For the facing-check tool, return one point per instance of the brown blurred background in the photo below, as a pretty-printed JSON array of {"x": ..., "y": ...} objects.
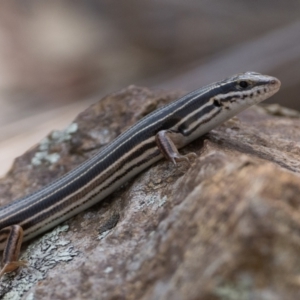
[{"x": 57, "y": 57}]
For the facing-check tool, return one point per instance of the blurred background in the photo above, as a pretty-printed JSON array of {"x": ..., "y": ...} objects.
[{"x": 57, "y": 57}]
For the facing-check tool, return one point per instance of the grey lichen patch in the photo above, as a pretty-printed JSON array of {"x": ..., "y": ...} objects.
[
  {"x": 103, "y": 234},
  {"x": 162, "y": 201},
  {"x": 66, "y": 134},
  {"x": 108, "y": 270},
  {"x": 153, "y": 201},
  {"x": 41, "y": 156},
  {"x": 102, "y": 135},
  {"x": 41, "y": 255},
  {"x": 56, "y": 137},
  {"x": 239, "y": 291},
  {"x": 30, "y": 296}
]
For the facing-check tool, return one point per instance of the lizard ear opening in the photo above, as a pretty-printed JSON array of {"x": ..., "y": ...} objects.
[{"x": 217, "y": 103}]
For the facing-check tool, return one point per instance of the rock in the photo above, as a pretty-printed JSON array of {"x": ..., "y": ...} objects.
[{"x": 226, "y": 227}]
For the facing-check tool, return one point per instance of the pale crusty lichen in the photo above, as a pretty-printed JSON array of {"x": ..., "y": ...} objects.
[
  {"x": 56, "y": 137},
  {"x": 42, "y": 254},
  {"x": 238, "y": 291}
]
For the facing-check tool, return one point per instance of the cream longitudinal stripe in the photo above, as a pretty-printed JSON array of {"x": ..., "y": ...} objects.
[
  {"x": 95, "y": 186},
  {"x": 101, "y": 175},
  {"x": 82, "y": 204}
]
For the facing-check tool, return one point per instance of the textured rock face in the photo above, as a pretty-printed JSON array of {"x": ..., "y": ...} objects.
[{"x": 226, "y": 227}]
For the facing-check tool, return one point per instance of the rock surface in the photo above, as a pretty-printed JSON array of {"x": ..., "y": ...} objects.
[{"x": 226, "y": 227}]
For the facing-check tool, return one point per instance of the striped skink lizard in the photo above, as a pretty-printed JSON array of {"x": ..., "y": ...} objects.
[{"x": 159, "y": 134}]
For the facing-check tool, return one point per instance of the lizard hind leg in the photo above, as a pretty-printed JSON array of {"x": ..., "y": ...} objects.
[{"x": 13, "y": 237}]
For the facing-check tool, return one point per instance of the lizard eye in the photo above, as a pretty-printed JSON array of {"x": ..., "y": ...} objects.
[{"x": 243, "y": 84}]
